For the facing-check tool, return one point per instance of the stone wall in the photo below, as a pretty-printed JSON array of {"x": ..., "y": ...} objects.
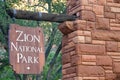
[{"x": 91, "y": 43}]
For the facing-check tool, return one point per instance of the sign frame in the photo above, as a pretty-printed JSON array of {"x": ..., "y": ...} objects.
[{"x": 26, "y": 49}]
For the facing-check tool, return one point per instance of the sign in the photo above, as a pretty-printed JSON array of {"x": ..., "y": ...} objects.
[{"x": 26, "y": 49}]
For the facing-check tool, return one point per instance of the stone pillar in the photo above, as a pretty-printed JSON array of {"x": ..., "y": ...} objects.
[{"x": 91, "y": 43}]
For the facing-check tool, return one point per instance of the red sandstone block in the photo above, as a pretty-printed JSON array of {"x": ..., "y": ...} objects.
[
  {"x": 64, "y": 51},
  {"x": 110, "y": 76},
  {"x": 117, "y": 1},
  {"x": 71, "y": 70},
  {"x": 109, "y": 15},
  {"x": 80, "y": 24},
  {"x": 106, "y": 35},
  {"x": 68, "y": 46},
  {"x": 110, "y": 0},
  {"x": 76, "y": 9},
  {"x": 90, "y": 7},
  {"x": 68, "y": 79},
  {"x": 115, "y": 9},
  {"x": 115, "y": 28},
  {"x": 116, "y": 58},
  {"x": 104, "y": 61},
  {"x": 88, "y": 40},
  {"x": 71, "y": 44},
  {"x": 90, "y": 71},
  {"x": 118, "y": 49},
  {"x": 92, "y": 1},
  {"x": 98, "y": 42},
  {"x": 116, "y": 67},
  {"x": 87, "y": 33},
  {"x": 102, "y": 2},
  {"x": 101, "y": 78},
  {"x": 113, "y": 4},
  {"x": 111, "y": 46},
  {"x": 108, "y": 68},
  {"x": 88, "y": 58},
  {"x": 90, "y": 25},
  {"x": 84, "y": 2},
  {"x": 103, "y": 23},
  {"x": 79, "y": 39},
  {"x": 64, "y": 71},
  {"x": 100, "y": 16},
  {"x": 79, "y": 33},
  {"x": 107, "y": 9},
  {"x": 66, "y": 58},
  {"x": 89, "y": 63},
  {"x": 66, "y": 27},
  {"x": 75, "y": 33},
  {"x": 90, "y": 78},
  {"x": 118, "y": 18},
  {"x": 66, "y": 65},
  {"x": 113, "y": 21},
  {"x": 89, "y": 17},
  {"x": 64, "y": 40},
  {"x": 68, "y": 76},
  {"x": 78, "y": 78},
  {"x": 72, "y": 53},
  {"x": 76, "y": 60},
  {"x": 99, "y": 10},
  {"x": 108, "y": 71},
  {"x": 91, "y": 49},
  {"x": 119, "y": 44},
  {"x": 115, "y": 25}
]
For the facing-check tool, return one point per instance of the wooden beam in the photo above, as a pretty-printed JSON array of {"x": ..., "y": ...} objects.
[{"x": 38, "y": 16}]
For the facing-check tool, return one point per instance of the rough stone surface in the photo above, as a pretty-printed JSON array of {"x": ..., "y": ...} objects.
[
  {"x": 92, "y": 71},
  {"x": 91, "y": 49},
  {"x": 106, "y": 35},
  {"x": 91, "y": 25},
  {"x": 91, "y": 43},
  {"x": 118, "y": 18},
  {"x": 116, "y": 67},
  {"x": 98, "y": 9},
  {"x": 111, "y": 46},
  {"x": 66, "y": 27},
  {"x": 104, "y": 61},
  {"x": 80, "y": 24},
  {"x": 89, "y": 17},
  {"x": 102, "y": 23},
  {"x": 76, "y": 60},
  {"x": 88, "y": 58},
  {"x": 109, "y": 15},
  {"x": 66, "y": 58}
]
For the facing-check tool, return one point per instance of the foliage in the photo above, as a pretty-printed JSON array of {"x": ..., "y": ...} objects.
[
  {"x": 7, "y": 74},
  {"x": 52, "y": 69}
]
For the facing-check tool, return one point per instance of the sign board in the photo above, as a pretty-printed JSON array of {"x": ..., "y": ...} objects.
[{"x": 26, "y": 49}]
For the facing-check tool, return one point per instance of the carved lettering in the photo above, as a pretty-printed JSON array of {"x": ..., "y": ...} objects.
[
  {"x": 25, "y": 48},
  {"x": 23, "y": 37},
  {"x": 27, "y": 59}
]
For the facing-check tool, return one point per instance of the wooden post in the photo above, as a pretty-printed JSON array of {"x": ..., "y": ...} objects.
[{"x": 38, "y": 16}]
